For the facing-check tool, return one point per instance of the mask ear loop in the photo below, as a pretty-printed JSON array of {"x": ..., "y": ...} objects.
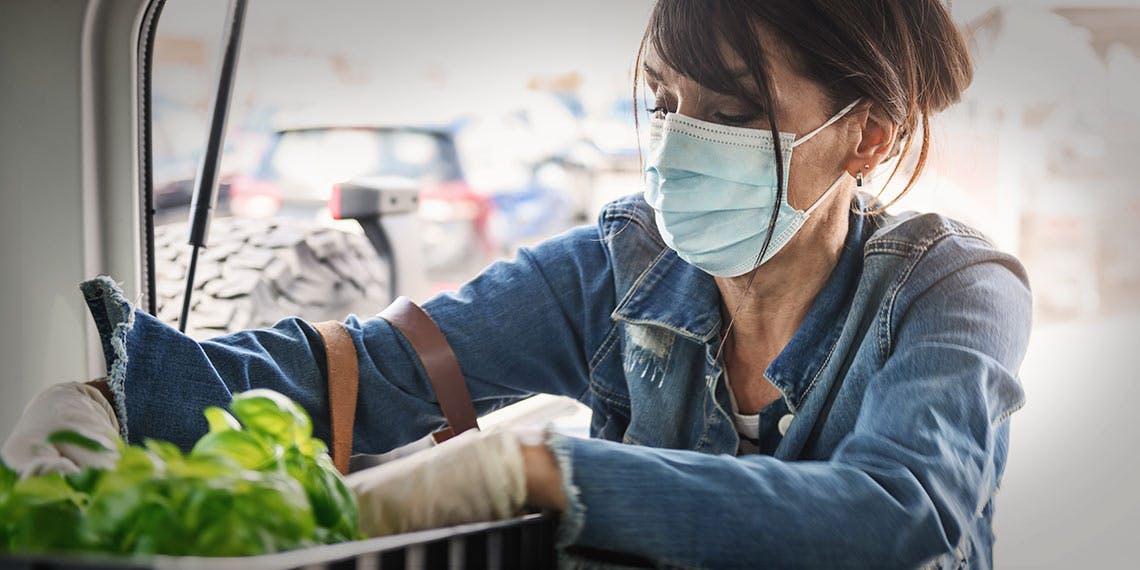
[
  {"x": 829, "y": 122},
  {"x": 835, "y": 184},
  {"x": 827, "y": 193}
]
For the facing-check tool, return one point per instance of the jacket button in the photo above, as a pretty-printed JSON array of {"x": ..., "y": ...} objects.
[{"x": 785, "y": 422}]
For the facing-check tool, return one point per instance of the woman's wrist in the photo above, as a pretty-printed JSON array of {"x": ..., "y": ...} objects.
[
  {"x": 104, "y": 388},
  {"x": 543, "y": 478}
]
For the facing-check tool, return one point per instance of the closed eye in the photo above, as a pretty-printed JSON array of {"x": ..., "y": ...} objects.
[{"x": 737, "y": 119}]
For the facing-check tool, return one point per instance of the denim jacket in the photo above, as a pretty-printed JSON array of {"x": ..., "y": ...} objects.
[{"x": 900, "y": 381}]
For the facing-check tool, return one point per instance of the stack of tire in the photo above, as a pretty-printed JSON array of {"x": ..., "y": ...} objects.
[{"x": 257, "y": 271}]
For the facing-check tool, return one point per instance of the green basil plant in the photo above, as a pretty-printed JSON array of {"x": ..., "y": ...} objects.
[{"x": 258, "y": 482}]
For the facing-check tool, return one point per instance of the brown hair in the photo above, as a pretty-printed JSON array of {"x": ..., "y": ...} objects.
[{"x": 906, "y": 57}]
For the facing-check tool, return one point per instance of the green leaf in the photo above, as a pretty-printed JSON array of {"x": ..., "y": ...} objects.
[
  {"x": 263, "y": 512},
  {"x": 43, "y": 526},
  {"x": 272, "y": 415},
  {"x": 243, "y": 448},
  {"x": 221, "y": 420},
  {"x": 46, "y": 489},
  {"x": 86, "y": 480},
  {"x": 110, "y": 515},
  {"x": 77, "y": 439},
  {"x": 42, "y": 514},
  {"x": 203, "y": 467},
  {"x": 164, "y": 450},
  {"x": 334, "y": 505},
  {"x": 8, "y": 478}
]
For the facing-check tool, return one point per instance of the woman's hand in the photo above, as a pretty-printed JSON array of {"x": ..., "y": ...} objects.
[
  {"x": 75, "y": 407},
  {"x": 473, "y": 477}
]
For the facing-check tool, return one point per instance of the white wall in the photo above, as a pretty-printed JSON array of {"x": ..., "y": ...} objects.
[
  {"x": 68, "y": 190},
  {"x": 41, "y": 230}
]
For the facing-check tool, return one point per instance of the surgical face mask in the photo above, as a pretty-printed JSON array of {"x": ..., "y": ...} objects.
[{"x": 713, "y": 189}]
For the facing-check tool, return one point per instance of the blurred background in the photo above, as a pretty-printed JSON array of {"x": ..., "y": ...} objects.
[{"x": 504, "y": 123}]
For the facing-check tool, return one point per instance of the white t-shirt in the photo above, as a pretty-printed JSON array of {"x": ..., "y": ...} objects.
[{"x": 748, "y": 425}]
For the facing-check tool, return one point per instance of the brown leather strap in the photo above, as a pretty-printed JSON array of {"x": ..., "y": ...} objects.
[
  {"x": 343, "y": 377},
  {"x": 439, "y": 362}
]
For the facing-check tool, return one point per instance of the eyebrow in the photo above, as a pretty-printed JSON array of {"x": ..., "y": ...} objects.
[
  {"x": 739, "y": 73},
  {"x": 652, "y": 73}
]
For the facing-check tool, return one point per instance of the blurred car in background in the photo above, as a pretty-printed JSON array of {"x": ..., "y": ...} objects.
[
  {"x": 301, "y": 166},
  {"x": 296, "y": 174},
  {"x": 477, "y": 201},
  {"x": 532, "y": 160}
]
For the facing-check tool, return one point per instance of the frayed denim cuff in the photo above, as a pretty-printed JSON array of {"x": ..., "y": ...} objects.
[
  {"x": 114, "y": 317},
  {"x": 574, "y": 518}
]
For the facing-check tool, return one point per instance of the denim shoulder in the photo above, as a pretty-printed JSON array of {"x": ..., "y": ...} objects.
[
  {"x": 947, "y": 267},
  {"x": 934, "y": 246}
]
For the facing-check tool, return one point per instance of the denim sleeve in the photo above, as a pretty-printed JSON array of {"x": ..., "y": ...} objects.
[
  {"x": 904, "y": 487},
  {"x": 517, "y": 329},
  {"x": 531, "y": 325}
]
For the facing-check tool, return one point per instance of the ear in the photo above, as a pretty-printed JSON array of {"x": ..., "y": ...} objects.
[{"x": 875, "y": 135}]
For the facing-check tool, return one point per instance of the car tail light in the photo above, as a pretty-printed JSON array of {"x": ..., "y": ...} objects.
[
  {"x": 436, "y": 210},
  {"x": 452, "y": 201},
  {"x": 456, "y": 201},
  {"x": 334, "y": 202},
  {"x": 254, "y": 198}
]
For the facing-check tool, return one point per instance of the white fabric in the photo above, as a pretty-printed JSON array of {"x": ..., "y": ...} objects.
[
  {"x": 472, "y": 477},
  {"x": 747, "y": 425},
  {"x": 70, "y": 406}
]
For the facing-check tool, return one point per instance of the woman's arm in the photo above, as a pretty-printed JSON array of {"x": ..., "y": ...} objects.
[
  {"x": 522, "y": 327},
  {"x": 906, "y": 486}
]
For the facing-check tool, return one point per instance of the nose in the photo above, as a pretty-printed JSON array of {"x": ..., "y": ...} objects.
[
  {"x": 684, "y": 93},
  {"x": 686, "y": 106},
  {"x": 688, "y": 100}
]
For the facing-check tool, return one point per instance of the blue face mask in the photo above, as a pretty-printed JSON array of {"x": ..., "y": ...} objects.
[{"x": 713, "y": 188}]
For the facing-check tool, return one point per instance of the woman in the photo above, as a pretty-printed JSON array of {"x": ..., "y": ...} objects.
[{"x": 780, "y": 372}]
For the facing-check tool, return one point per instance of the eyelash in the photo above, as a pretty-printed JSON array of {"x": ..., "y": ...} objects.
[
  {"x": 736, "y": 119},
  {"x": 721, "y": 117}
]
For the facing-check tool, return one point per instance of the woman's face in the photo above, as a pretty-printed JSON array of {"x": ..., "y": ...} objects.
[{"x": 801, "y": 107}]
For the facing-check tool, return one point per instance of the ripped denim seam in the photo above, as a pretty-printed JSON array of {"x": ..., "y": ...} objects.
[
  {"x": 574, "y": 518},
  {"x": 116, "y": 310}
]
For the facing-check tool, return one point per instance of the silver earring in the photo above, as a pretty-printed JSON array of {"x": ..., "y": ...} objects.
[{"x": 859, "y": 179}]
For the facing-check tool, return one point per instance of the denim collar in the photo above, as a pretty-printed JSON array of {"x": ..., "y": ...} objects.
[
  {"x": 673, "y": 295},
  {"x": 677, "y": 296}
]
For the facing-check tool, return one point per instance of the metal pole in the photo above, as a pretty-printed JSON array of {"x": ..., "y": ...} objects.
[{"x": 205, "y": 184}]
